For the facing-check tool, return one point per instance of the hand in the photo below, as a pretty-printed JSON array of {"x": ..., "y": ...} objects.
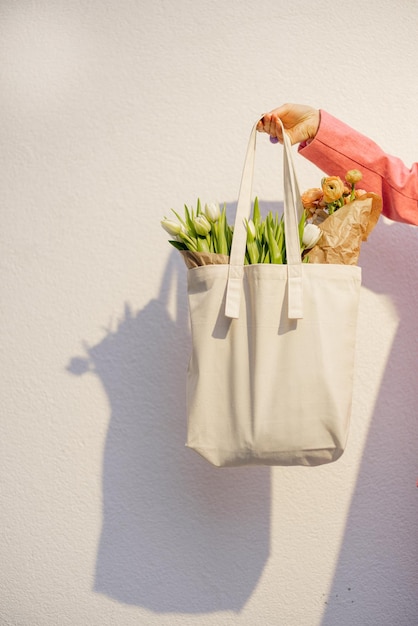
[{"x": 300, "y": 121}]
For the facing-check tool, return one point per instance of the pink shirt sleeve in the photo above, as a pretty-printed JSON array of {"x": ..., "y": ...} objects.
[{"x": 338, "y": 148}]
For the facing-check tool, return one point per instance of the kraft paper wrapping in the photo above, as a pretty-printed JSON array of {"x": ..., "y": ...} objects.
[
  {"x": 344, "y": 230},
  {"x": 195, "y": 259}
]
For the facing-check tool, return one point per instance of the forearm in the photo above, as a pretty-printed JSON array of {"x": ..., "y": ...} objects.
[{"x": 338, "y": 148}]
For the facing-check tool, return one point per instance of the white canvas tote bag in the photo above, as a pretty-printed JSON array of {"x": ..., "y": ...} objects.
[{"x": 271, "y": 371}]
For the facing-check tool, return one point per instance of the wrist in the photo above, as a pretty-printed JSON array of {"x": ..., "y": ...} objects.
[{"x": 313, "y": 126}]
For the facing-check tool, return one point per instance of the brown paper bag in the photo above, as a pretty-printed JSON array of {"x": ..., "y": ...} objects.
[{"x": 344, "y": 230}]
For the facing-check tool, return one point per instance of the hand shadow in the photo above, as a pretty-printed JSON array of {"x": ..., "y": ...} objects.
[
  {"x": 178, "y": 535},
  {"x": 377, "y": 568}
]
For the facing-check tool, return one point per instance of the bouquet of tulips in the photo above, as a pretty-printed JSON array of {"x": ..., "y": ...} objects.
[
  {"x": 335, "y": 219},
  {"x": 205, "y": 231}
]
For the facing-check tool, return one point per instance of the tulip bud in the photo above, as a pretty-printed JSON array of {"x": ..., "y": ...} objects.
[
  {"x": 172, "y": 227},
  {"x": 311, "y": 235},
  {"x": 252, "y": 247},
  {"x": 202, "y": 225},
  {"x": 251, "y": 231},
  {"x": 212, "y": 211}
]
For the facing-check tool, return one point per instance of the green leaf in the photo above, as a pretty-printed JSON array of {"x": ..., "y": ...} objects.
[
  {"x": 224, "y": 237},
  {"x": 256, "y": 213},
  {"x": 275, "y": 253},
  {"x": 252, "y": 251},
  {"x": 189, "y": 220},
  {"x": 202, "y": 244},
  {"x": 190, "y": 242},
  {"x": 302, "y": 227},
  {"x": 280, "y": 240},
  {"x": 180, "y": 219},
  {"x": 178, "y": 244}
]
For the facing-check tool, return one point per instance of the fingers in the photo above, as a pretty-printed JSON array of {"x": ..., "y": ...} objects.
[
  {"x": 264, "y": 124},
  {"x": 270, "y": 124}
]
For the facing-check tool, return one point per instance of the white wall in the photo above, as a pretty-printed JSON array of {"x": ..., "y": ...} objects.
[{"x": 112, "y": 112}]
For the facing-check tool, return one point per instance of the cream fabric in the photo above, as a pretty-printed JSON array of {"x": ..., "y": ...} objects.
[{"x": 271, "y": 371}]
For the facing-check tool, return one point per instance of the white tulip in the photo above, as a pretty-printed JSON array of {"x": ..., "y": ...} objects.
[
  {"x": 173, "y": 228},
  {"x": 212, "y": 211},
  {"x": 251, "y": 230},
  {"x": 202, "y": 225},
  {"x": 311, "y": 235}
]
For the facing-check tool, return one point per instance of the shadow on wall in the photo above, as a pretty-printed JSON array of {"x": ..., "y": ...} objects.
[
  {"x": 178, "y": 535},
  {"x": 375, "y": 581}
]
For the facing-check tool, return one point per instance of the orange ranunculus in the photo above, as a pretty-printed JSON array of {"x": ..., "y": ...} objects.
[
  {"x": 333, "y": 188},
  {"x": 311, "y": 197}
]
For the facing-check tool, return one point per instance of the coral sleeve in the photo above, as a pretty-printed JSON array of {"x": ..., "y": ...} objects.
[{"x": 337, "y": 148}]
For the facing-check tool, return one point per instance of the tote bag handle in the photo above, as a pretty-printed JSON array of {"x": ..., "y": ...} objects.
[{"x": 293, "y": 210}]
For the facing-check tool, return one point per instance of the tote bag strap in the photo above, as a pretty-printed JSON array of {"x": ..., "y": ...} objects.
[{"x": 293, "y": 210}]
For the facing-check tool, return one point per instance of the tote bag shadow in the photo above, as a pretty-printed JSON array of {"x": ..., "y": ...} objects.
[{"x": 270, "y": 375}]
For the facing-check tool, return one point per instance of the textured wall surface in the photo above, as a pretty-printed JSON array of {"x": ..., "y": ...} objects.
[{"x": 112, "y": 112}]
